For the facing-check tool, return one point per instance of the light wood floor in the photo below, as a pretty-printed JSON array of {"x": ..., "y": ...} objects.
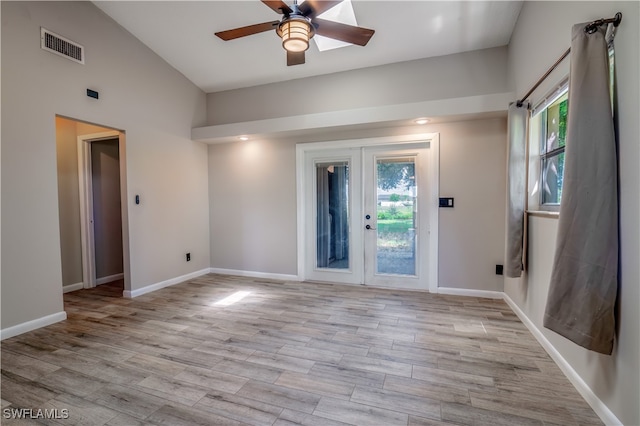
[{"x": 287, "y": 353}]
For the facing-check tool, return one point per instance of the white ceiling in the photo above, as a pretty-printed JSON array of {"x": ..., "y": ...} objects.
[{"x": 182, "y": 32}]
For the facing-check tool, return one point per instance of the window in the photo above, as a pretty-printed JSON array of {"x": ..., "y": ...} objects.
[
  {"x": 554, "y": 134},
  {"x": 548, "y": 133}
]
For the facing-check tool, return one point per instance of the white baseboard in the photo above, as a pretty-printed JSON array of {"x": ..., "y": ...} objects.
[
  {"x": 157, "y": 286},
  {"x": 110, "y": 278},
  {"x": 32, "y": 325},
  {"x": 254, "y": 274},
  {"x": 486, "y": 294},
  {"x": 72, "y": 287},
  {"x": 599, "y": 407}
]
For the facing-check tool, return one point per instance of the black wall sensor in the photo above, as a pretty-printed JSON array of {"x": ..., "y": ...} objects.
[
  {"x": 92, "y": 94},
  {"x": 446, "y": 202}
]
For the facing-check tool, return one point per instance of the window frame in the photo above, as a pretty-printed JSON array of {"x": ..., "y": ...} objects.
[
  {"x": 547, "y": 156},
  {"x": 539, "y": 120},
  {"x": 537, "y": 136}
]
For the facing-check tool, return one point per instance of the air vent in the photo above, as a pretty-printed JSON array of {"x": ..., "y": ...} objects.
[{"x": 59, "y": 45}]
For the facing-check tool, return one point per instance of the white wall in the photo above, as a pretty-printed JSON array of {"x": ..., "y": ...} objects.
[
  {"x": 481, "y": 72},
  {"x": 614, "y": 379},
  {"x": 140, "y": 94},
  {"x": 252, "y": 187}
]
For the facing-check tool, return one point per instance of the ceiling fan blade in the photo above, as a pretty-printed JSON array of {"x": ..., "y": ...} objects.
[
  {"x": 295, "y": 58},
  {"x": 343, "y": 32},
  {"x": 248, "y": 30},
  {"x": 278, "y": 6},
  {"x": 313, "y": 8}
]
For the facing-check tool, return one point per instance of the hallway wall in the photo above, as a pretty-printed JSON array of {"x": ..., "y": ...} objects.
[{"x": 141, "y": 94}]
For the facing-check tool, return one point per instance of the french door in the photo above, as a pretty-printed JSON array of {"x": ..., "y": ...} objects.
[{"x": 366, "y": 215}]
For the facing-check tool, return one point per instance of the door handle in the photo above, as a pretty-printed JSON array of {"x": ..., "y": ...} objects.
[{"x": 370, "y": 228}]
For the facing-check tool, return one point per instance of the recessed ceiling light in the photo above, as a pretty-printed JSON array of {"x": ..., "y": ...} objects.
[
  {"x": 421, "y": 120},
  {"x": 243, "y": 138}
]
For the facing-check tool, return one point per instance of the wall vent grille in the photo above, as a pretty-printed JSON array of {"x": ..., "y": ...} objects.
[{"x": 59, "y": 45}]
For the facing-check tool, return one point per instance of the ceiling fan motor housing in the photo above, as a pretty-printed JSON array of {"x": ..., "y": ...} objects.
[{"x": 295, "y": 30}]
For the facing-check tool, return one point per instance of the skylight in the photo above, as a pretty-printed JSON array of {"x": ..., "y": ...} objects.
[{"x": 342, "y": 13}]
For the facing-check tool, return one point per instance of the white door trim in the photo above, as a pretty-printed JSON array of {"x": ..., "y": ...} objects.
[
  {"x": 419, "y": 152},
  {"x": 434, "y": 184},
  {"x": 86, "y": 206}
]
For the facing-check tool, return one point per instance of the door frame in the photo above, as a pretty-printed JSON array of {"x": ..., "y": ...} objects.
[
  {"x": 85, "y": 187},
  {"x": 419, "y": 153},
  {"x": 433, "y": 172}
]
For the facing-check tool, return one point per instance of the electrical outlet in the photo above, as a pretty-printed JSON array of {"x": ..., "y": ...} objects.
[
  {"x": 499, "y": 269},
  {"x": 188, "y": 257}
]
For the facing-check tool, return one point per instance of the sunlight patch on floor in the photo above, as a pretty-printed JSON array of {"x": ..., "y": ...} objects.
[{"x": 230, "y": 300}]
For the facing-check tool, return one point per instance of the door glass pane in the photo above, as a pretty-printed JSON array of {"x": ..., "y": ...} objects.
[
  {"x": 396, "y": 225},
  {"x": 332, "y": 223}
]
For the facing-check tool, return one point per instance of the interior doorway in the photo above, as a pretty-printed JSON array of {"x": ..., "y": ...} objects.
[
  {"x": 92, "y": 204},
  {"x": 105, "y": 218},
  {"x": 368, "y": 213}
]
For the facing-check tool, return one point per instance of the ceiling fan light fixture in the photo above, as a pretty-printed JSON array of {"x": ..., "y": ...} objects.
[{"x": 295, "y": 34}]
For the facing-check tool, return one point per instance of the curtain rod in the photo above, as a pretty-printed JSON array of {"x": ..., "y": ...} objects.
[{"x": 590, "y": 28}]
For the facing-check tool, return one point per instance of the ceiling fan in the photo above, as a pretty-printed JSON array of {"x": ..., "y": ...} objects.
[{"x": 299, "y": 24}]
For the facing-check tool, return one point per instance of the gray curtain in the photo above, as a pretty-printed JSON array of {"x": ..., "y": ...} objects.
[
  {"x": 516, "y": 189},
  {"x": 584, "y": 280}
]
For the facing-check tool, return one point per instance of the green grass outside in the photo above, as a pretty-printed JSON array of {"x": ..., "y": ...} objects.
[{"x": 394, "y": 225}]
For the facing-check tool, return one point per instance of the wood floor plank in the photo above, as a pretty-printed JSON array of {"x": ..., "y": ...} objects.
[
  {"x": 453, "y": 378},
  {"x": 245, "y": 410},
  {"x": 467, "y": 415},
  {"x": 71, "y": 382},
  {"x": 212, "y": 379},
  {"x": 179, "y": 415},
  {"x": 313, "y": 354},
  {"x": 25, "y": 393},
  {"x": 26, "y": 366},
  {"x": 81, "y": 411},
  {"x": 280, "y": 396},
  {"x": 174, "y": 390},
  {"x": 288, "y": 353},
  {"x": 317, "y": 385},
  {"x": 507, "y": 402},
  {"x": 127, "y": 400},
  {"x": 436, "y": 391},
  {"x": 347, "y": 374},
  {"x": 290, "y": 418},
  {"x": 397, "y": 401},
  {"x": 376, "y": 365},
  {"x": 283, "y": 362},
  {"x": 358, "y": 414}
]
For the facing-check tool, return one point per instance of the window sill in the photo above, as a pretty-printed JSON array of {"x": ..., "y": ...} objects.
[{"x": 543, "y": 213}]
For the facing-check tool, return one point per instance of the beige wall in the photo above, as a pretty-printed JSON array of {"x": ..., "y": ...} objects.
[
  {"x": 467, "y": 74},
  {"x": 471, "y": 235},
  {"x": 140, "y": 94},
  {"x": 614, "y": 379},
  {"x": 68, "y": 201},
  {"x": 252, "y": 187}
]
